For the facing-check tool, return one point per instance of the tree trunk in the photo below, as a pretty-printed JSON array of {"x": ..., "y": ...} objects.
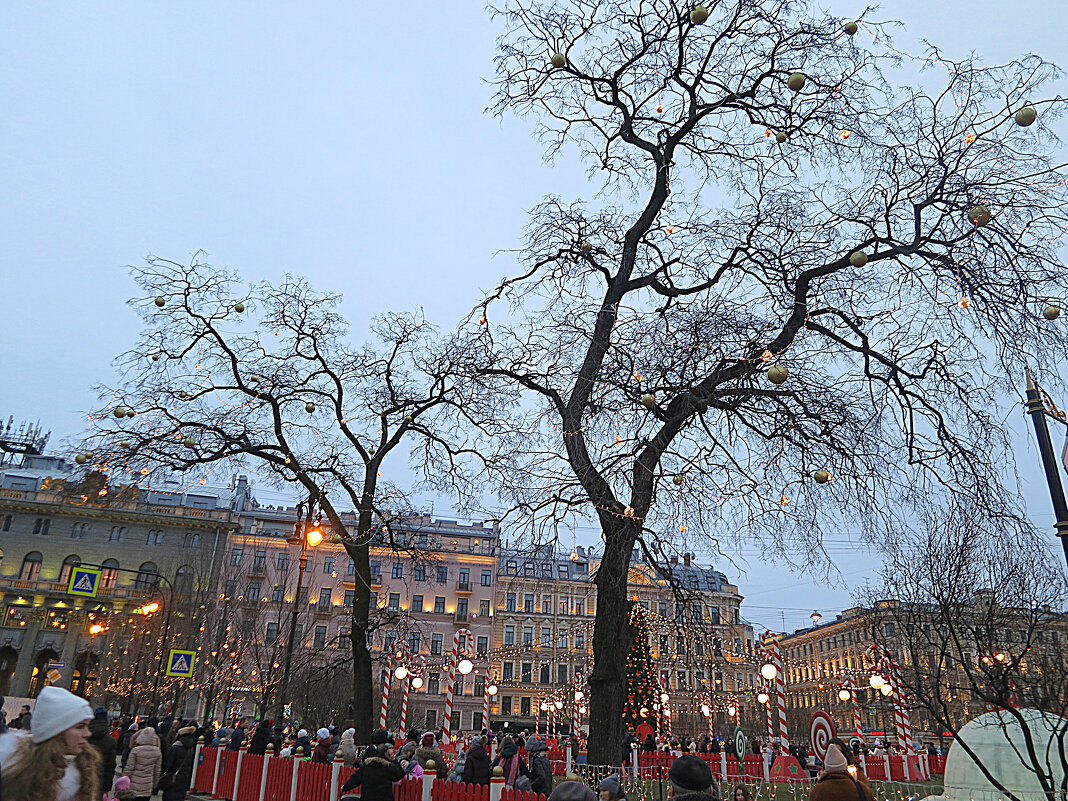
[
  {"x": 363, "y": 705},
  {"x": 612, "y": 636}
]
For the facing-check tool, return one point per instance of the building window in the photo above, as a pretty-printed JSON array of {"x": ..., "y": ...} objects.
[
  {"x": 481, "y": 645},
  {"x": 506, "y": 705},
  {"x": 351, "y": 568},
  {"x": 509, "y": 602},
  {"x": 480, "y": 686},
  {"x": 391, "y": 640},
  {"x": 118, "y": 534},
  {"x": 546, "y": 604},
  {"x": 580, "y": 607},
  {"x": 259, "y": 561},
  {"x": 110, "y": 574},
  {"x": 184, "y": 579},
  {"x": 420, "y": 572},
  {"x": 439, "y": 604},
  {"x": 525, "y": 671},
  {"x": 398, "y": 570},
  {"x": 432, "y": 686},
  {"x": 277, "y": 593},
  {"x": 253, "y": 591},
  {"x": 147, "y": 576},
  {"x": 524, "y": 706},
  {"x": 510, "y": 567},
  {"x": 329, "y": 565},
  {"x": 414, "y": 642},
  {"x": 42, "y": 524},
  {"x": 17, "y": 617},
  {"x": 7, "y": 523},
  {"x": 191, "y": 540},
  {"x": 561, "y": 674},
  {"x": 324, "y": 597},
  {"x": 461, "y": 608},
  {"x": 77, "y": 531},
  {"x": 155, "y": 537},
  {"x": 302, "y": 596},
  {"x": 435, "y": 645},
  {"x": 417, "y": 603},
  {"x": 476, "y": 717},
  {"x": 543, "y": 675},
  {"x": 483, "y": 607},
  {"x": 563, "y": 571},
  {"x": 458, "y": 688},
  {"x": 230, "y": 588},
  {"x": 31, "y": 566},
  {"x": 235, "y": 556},
  {"x": 528, "y": 603},
  {"x": 443, "y": 574},
  {"x": 561, "y": 639},
  {"x": 486, "y": 578},
  {"x": 465, "y": 576},
  {"x": 319, "y": 639},
  {"x": 271, "y": 635},
  {"x": 507, "y": 671},
  {"x": 68, "y": 566},
  {"x": 580, "y": 641},
  {"x": 528, "y": 568},
  {"x": 509, "y": 635},
  {"x": 57, "y": 619},
  {"x": 528, "y": 635},
  {"x": 394, "y": 600},
  {"x": 546, "y": 636}
]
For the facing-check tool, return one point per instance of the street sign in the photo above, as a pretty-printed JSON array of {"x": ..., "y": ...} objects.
[
  {"x": 180, "y": 663},
  {"x": 84, "y": 582}
]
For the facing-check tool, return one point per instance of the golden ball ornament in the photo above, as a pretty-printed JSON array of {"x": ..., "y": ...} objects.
[
  {"x": 160, "y": 302},
  {"x": 858, "y": 258},
  {"x": 124, "y": 444},
  {"x": 586, "y": 247},
  {"x": 255, "y": 379},
  {"x": 155, "y": 357},
  {"x": 979, "y": 215},
  {"x": 1026, "y": 116},
  {"x": 796, "y": 82},
  {"x": 309, "y": 407},
  {"x": 1051, "y": 312},
  {"x": 781, "y": 138},
  {"x": 120, "y": 412},
  {"x": 81, "y": 458},
  {"x": 851, "y": 28},
  {"x": 183, "y": 395},
  {"x": 777, "y": 374},
  {"x": 648, "y": 400},
  {"x": 678, "y": 480},
  {"x": 408, "y": 418},
  {"x": 699, "y": 15},
  {"x": 559, "y": 60},
  {"x": 189, "y": 442},
  {"x": 822, "y": 476},
  {"x": 239, "y": 307}
]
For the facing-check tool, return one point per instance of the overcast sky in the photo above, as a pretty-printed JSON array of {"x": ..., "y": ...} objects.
[{"x": 346, "y": 141}]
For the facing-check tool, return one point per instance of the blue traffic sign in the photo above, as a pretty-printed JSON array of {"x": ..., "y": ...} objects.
[
  {"x": 84, "y": 581},
  {"x": 180, "y": 663}
]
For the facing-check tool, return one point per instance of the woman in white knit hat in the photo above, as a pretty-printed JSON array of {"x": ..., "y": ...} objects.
[{"x": 53, "y": 761}]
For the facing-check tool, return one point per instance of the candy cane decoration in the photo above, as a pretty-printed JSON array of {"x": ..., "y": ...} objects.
[
  {"x": 774, "y": 652},
  {"x": 882, "y": 661},
  {"x": 771, "y": 725},
  {"x": 404, "y": 705},
  {"x": 386, "y": 684},
  {"x": 485, "y": 703},
  {"x": 537, "y": 716},
  {"x": 665, "y": 707},
  {"x": 850, "y": 685},
  {"x": 447, "y": 723}
]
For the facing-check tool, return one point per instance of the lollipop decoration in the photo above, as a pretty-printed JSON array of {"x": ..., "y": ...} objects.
[{"x": 820, "y": 733}]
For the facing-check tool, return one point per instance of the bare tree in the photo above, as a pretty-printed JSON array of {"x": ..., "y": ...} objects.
[
  {"x": 226, "y": 375},
  {"x": 793, "y": 266},
  {"x": 978, "y": 628}
]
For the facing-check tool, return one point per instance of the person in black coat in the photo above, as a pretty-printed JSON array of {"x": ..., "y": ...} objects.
[
  {"x": 100, "y": 738},
  {"x": 477, "y": 766},
  {"x": 377, "y": 771},
  {"x": 236, "y": 739},
  {"x": 260, "y": 738},
  {"x": 179, "y": 761},
  {"x": 511, "y": 763}
]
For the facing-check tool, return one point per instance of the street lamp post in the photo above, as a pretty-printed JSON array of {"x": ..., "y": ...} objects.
[
  {"x": 304, "y": 534},
  {"x": 1037, "y": 409}
]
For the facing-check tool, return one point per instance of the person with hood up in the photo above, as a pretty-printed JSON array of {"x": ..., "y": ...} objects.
[
  {"x": 570, "y": 790},
  {"x": 178, "y": 762},
  {"x": 144, "y": 765},
  {"x": 541, "y": 772},
  {"x": 457, "y": 772},
  {"x": 609, "y": 788},
  {"x": 237, "y": 738},
  {"x": 261, "y": 738},
  {"x": 347, "y": 746},
  {"x": 376, "y": 772},
  {"x": 52, "y": 759},
  {"x": 302, "y": 742},
  {"x": 412, "y": 769},
  {"x": 477, "y": 765},
  {"x": 100, "y": 738},
  {"x": 511, "y": 763},
  {"x": 838, "y": 782},
  {"x": 692, "y": 780},
  {"x": 428, "y": 751},
  {"x": 321, "y": 752}
]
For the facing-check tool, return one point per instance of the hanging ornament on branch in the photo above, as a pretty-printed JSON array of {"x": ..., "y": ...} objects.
[
  {"x": 796, "y": 81},
  {"x": 777, "y": 374},
  {"x": 1026, "y": 116}
]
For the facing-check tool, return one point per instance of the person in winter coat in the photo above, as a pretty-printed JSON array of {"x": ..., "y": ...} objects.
[
  {"x": 144, "y": 764},
  {"x": 302, "y": 742},
  {"x": 477, "y": 766},
  {"x": 52, "y": 760},
  {"x": 457, "y": 772},
  {"x": 347, "y": 746},
  {"x": 609, "y": 788},
  {"x": 412, "y": 770},
  {"x": 23, "y": 720},
  {"x": 236, "y": 739},
  {"x": 511, "y": 763},
  {"x": 321, "y": 752},
  {"x": 541, "y": 772},
  {"x": 376, "y": 772},
  {"x": 428, "y": 751},
  {"x": 179, "y": 761},
  {"x": 261, "y": 738},
  {"x": 100, "y": 738},
  {"x": 572, "y": 791},
  {"x": 692, "y": 780},
  {"x": 836, "y": 782}
]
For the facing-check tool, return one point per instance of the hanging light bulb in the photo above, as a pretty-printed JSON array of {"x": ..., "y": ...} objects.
[
  {"x": 769, "y": 671},
  {"x": 401, "y": 672},
  {"x": 844, "y": 694}
]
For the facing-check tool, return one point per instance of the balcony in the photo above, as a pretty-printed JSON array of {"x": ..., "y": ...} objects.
[
  {"x": 461, "y": 618},
  {"x": 258, "y": 569},
  {"x": 463, "y": 586}
]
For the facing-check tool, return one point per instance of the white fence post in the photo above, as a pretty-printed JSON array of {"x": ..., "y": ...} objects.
[
  {"x": 429, "y": 774},
  {"x": 215, "y": 778},
  {"x": 567, "y": 768},
  {"x": 496, "y": 784},
  {"x": 293, "y": 781},
  {"x": 237, "y": 773},
  {"x": 196, "y": 760},
  {"x": 263, "y": 776},
  {"x": 723, "y": 761}
]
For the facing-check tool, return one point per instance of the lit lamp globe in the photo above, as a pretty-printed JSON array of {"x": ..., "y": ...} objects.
[
  {"x": 886, "y": 689},
  {"x": 314, "y": 536},
  {"x": 876, "y": 681},
  {"x": 401, "y": 672},
  {"x": 769, "y": 672},
  {"x": 578, "y": 695},
  {"x": 544, "y": 706},
  {"x": 762, "y": 698},
  {"x": 559, "y": 704},
  {"x": 732, "y": 711},
  {"x": 844, "y": 695},
  {"x": 492, "y": 689},
  {"x": 417, "y": 682},
  {"x": 465, "y": 667},
  {"x": 704, "y": 710},
  {"x": 664, "y": 698}
]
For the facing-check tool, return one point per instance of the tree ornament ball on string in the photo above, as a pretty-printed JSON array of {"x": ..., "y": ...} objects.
[
  {"x": 124, "y": 444},
  {"x": 558, "y": 60},
  {"x": 408, "y": 418},
  {"x": 699, "y": 15},
  {"x": 586, "y": 247},
  {"x": 1026, "y": 116},
  {"x": 160, "y": 302},
  {"x": 119, "y": 412},
  {"x": 678, "y": 480},
  {"x": 155, "y": 357},
  {"x": 822, "y": 476},
  {"x": 851, "y": 28},
  {"x": 796, "y": 81},
  {"x": 781, "y": 138},
  {"x": 189, "y": 442},
  {"x": 979, "y": 215},
  {"x": 648, "y": 400},
  {"x": 858, "y": 258},
  {"x": 777, "y": 374},
  {"x": 1051, "y": 312},
  {"x": 239, "y": 307},
  {"x": 309, "y": 407},
  {"x": 81, "y": 458}
]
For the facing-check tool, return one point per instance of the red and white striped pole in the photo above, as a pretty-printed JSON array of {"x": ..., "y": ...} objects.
[
  {"x": 447, "y": 723},
  {"x": 852, "y": 687},
  {"x": 485, "y": 703},
  {"x": 771, "y": 724},
  {"x": 404, "y": 705},
  {"x": 576, "y": 713},
  {"x": 537, "y": 715},
  {"x": 386, "y": 683},
  {"x": 901, "y": 714},
  {"x": 780, "y": 689}
]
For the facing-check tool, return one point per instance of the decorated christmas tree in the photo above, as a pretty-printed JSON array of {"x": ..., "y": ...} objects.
[{"x": 642, "y": 691}]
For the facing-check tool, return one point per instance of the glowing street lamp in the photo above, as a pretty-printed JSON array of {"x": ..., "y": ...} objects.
[
  {"x": 492, "y": 689},
  {"x": 401, "y": 672},
  {"x": 769, "y": 671},
  {"x": 465, "y": 666},
  {"x": 732, "y": 711},
  {"x": 844, "y": 694},
  {"x": 877, "y": 682},
  {"x": 762, "y": 698},
  {"x": 417, "y": 682}
]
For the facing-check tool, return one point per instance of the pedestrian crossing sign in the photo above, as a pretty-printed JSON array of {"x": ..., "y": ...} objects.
[
  {"x": 84, "y": 581},
  {"x": 180, "y": 663}
]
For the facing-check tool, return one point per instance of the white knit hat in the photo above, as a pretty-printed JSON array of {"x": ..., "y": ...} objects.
[
  {"x": 56, "y": 711},
  {"x": 323, "y": 734}
]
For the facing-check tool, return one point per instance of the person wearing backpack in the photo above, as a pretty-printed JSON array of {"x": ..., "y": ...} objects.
[{"x": 541, "y": 772}]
